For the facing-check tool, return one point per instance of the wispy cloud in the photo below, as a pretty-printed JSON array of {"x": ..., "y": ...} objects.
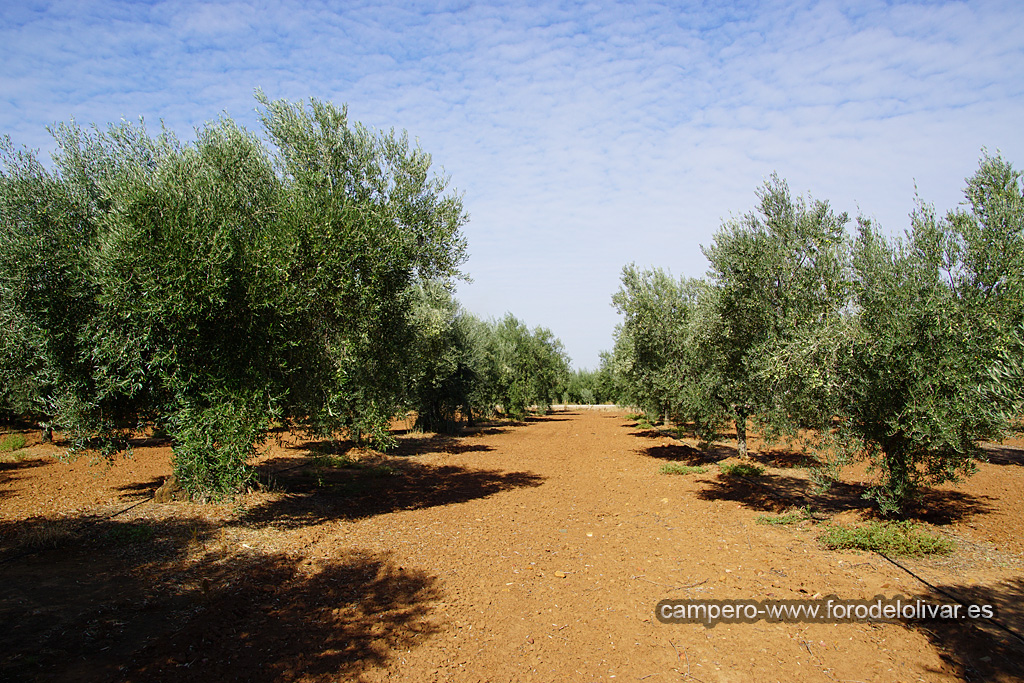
[{"x": 585, "y": 135}]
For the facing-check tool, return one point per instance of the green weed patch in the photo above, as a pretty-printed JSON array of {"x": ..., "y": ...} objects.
[
  {"x": 780, "y": 520},
  {"x": 12, "y": 442},
  {"x": 891, "y": 538},
  {"x": 741, "y": 469},
  {"x": 676, "y": 468}
]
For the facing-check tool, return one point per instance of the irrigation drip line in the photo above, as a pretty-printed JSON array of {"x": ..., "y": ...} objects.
[
  {"x": 115, "y": 514},
  {"x": 87, "y": 521},
  {"x": 288, "y": 469},
  {"x": 949, "y": 595},
  {"x": 749, "y": 480},
  {"x": 938, "y": 590}
]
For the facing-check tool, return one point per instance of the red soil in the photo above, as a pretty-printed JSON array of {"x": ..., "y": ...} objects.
[{"x": 534, "y": 551}]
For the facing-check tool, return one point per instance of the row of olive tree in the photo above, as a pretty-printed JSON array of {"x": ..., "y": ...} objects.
[
  {"x": 216, "y": 287},
  {"x": 904, "y": 352},
  {"x": 589, "y": 387},
  {"x": 470, "y": 367}
]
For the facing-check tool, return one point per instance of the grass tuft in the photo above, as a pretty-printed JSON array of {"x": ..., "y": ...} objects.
[
  {"x": 328, "y": 460},
  {"x": 789, "y": 518},
  {"x": 12, "y": 442},
  {"x": 891, "y": 538},
  {"x": 805, "y": 513},
  {"x": 131, "y": 533},
  {"x": 676, "y": 468},
  {"x": 47, "y": 535},
  {"x": 741, "y": 469}
]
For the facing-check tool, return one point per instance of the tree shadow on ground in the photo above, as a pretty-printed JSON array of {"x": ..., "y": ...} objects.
[
  {"x": 711, "y": 453},
  {"x": 652, "y": 433},
  {"x": 688, "y": 454},
  {"x": 172, "y": 600},
  {"x": 777, "y": 493},
  {"x": 411, "y": 442},
  {"x": 77, "y": 587},
  {"x": 941, "y": 507},
  {"x": 1001, "y": 454},
  {"x": 679, "y": 453},
  {"x": 435, "y": 443},
  {"x": 315, "y": 495},
  {"x": 10, "y": 470},
  {"x": 785, "y": 459},
  {"x": 407, "y": 446},
  {"x": 773, "y": 493},
  {"x": 980, "y": 649},
  {"x": 91, "y": 533},
  {"x": 269, "y": 617},
  {"x": 140, "y": 488},
  {"x": 487, "y": 430}
]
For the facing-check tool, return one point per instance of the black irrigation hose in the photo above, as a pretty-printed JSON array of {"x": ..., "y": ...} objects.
[
  {"x": 93, "y": 520},
  {"x": 952, "y": 597},
  {"x": 885, "y": 557},
  {"x": 115, "y": 514},
  {"x": 997, "y": 624}
]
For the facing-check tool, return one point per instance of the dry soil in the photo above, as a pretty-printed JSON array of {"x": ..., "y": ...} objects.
[{"x": 532, "y": 551}]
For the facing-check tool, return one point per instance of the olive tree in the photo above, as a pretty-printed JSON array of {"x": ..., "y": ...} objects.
[
  {"x": 587, "y": 387},
  {"x": 366, "y": 221},
  {"x": 923, "y": 363},
  {"x": 48, "y": 297},
  {"x": 660, "y": 354},
  {"x": 776, "y": 273},
  {"x": 449, "y": 361},
  {"x": 216, "y": 286},
  {"x": 937, "y": 312},
  {"x": 525, "y": 367},
  {"x": 653, "y": 347}
]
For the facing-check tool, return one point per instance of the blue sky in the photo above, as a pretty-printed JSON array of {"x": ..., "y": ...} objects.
[{"x": 584, "y": 136}]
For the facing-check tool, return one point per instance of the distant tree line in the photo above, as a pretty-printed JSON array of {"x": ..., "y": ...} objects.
[
  {"x": 903, "y": 352},
  {"x": 465, "y": 367},
  {"x": 216, "y": 288},
  {"x": 588, "y": 387}
]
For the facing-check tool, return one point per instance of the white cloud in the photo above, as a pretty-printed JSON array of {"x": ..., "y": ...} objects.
[{"x": 584, "y": 136}]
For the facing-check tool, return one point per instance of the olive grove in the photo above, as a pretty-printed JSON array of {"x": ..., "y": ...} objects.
[
  {"x": 215, "y": 288},
  {"x": 903, "y": 352}
]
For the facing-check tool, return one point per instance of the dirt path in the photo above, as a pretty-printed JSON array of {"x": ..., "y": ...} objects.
[{"x": 525, "y": 552}]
